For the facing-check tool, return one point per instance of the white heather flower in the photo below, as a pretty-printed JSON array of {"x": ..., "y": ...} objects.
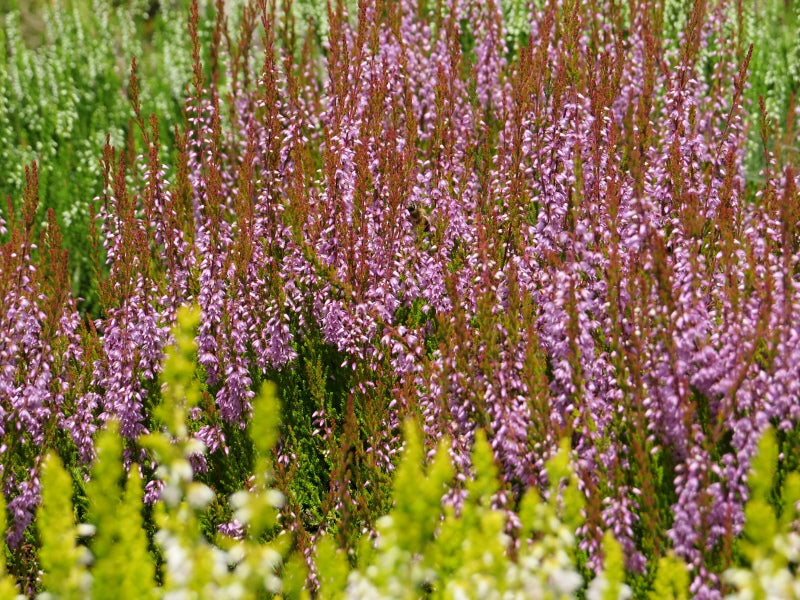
[
  {"x": 179, "y": 565},
  {"x": 181, "y": 469},
  {"x": 274, "y": 498},
  {"x": 171, "y": 495},
  {"x": 565, "y": 581},
  {"x": 236, "y": 553},
  {"x": 361, "y": 588},
  {"x": 598, "y": 587},
  {"x": 240, "y": 499},
  {"x": 199, "y": 495},
  {"x": 273, "y": 583}
]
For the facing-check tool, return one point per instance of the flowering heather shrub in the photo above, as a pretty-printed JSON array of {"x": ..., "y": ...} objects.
[
  {"x": 453, "y": 561},
  {"x": 43, "y": 381},
  {"x": 546, "y": 241},
  {"x": 417, "y": 552}
]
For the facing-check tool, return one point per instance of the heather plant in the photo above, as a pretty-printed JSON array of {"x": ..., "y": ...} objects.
[
  {"x": 553, "y": 239},
  {"x": 59, "y": 110},
  {"x": 774, "y": 76},
  {"x": 584, "y": 261},
  {"x": 417, "y": 546},
  {"x": 116, "y": 562},
  {"x": 47, "y": 401}
]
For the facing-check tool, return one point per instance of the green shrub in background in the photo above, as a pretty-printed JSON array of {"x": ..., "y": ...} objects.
[
  {"x": 422, "y": 548},
  {"x": 64, "y": 70},
  {"x": 773, "y": 27}
]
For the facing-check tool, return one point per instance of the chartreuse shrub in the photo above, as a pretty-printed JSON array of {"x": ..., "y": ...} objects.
[
  {"x": 425, "y": 549},
  {"x": 770, "y": 547}
]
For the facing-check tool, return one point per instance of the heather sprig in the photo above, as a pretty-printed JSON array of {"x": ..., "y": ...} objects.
[{"x": 119, "y": 536}]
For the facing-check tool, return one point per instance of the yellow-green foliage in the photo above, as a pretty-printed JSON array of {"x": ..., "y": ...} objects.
[
  {"x": 64, "y": 574},
  {"x": 425, "y": 549},
  {"x": 771, "y": 544},
  {"x": 8, "y": 588},
  {"x": 672, "y": 580},
  {"x": 120, "y": 537},
  {"x": 609, "y": 584}
]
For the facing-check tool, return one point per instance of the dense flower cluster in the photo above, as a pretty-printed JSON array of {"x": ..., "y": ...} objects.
[
  {"x": 44, "y": 397},
  {"x": 556, "y": 239}
]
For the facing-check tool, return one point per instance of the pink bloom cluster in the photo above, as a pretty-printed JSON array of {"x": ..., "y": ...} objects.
[{"x": 570, "y": 227}]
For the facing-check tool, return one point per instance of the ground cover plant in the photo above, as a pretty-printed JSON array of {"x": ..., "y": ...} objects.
[{"x": 537, "y": 222}]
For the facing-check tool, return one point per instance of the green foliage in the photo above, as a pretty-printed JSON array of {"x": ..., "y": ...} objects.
[
  {"x": 772, "y": 27},
  {"x": 672, "y": 581},
  {"x": 64, "y": 70},
  {"x": 771, "y": 545},
  {"x": 316, "y": 383},
  {"x": 334, "y": 482},
  {"x": 675, "y": 16},
  {"x": 121, "y": 537},
  {"x": 515, "y": 21},
  {"x": 8, "y": 588},
  {"x": 138, "y": 582},
  {"x": 64, "y": 574}
]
